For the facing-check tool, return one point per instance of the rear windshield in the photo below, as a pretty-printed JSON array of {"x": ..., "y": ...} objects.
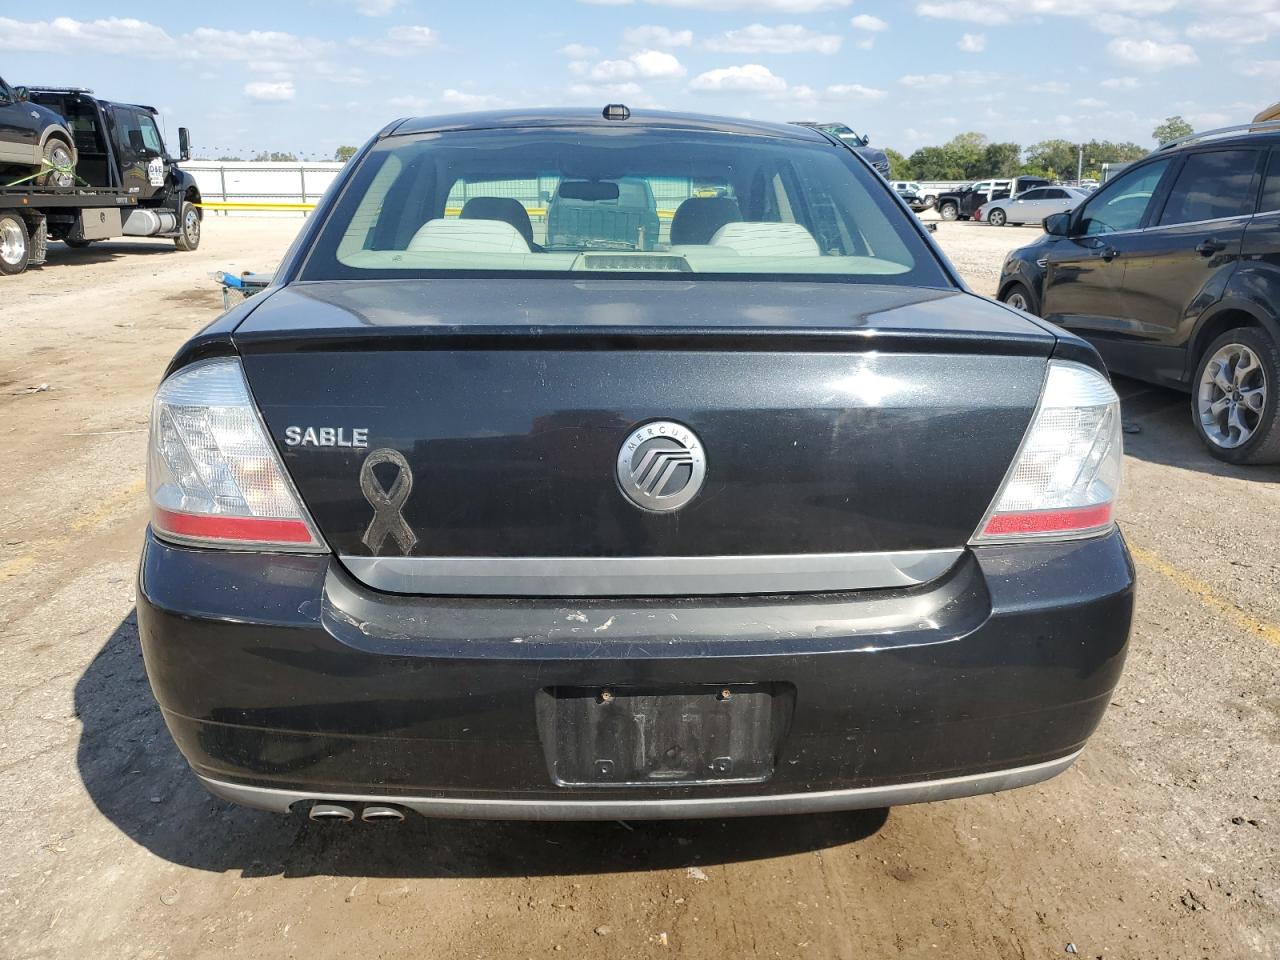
[{"x": 627, "y": 200}]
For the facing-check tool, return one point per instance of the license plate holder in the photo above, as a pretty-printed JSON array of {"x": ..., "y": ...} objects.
[{"x": 605, "y": 736}]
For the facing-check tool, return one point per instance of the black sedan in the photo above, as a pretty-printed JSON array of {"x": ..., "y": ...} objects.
[{"x": 758, "y": 512}]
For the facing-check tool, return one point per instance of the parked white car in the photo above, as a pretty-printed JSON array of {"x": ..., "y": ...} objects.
[{"x": 1031, "y": 206}]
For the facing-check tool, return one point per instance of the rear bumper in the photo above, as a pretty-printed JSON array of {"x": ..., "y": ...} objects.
[
  {"x": 280, "y": 800},
  {"x": 283, "y": 680}
]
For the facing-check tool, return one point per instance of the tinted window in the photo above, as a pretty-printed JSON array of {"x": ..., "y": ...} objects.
[
  {"x": 625, "y": 200},
  {"x": 150, "y": 135},
  {"x": 1033, "y": 195},
  {"x": 1056, "y": 195},
  {"x": 1123, "y": 202},
  {"x": 1271, "y": 186},
  {"x": 1212, "y": 185}
]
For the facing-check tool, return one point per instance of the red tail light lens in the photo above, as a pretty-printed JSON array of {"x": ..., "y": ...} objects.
[
  {"x": 213, "y": 474},
  {"x": 1064, "y": 481}
]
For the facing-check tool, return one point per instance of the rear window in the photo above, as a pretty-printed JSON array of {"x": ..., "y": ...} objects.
[
  {"x": 1212, "y": 186},
  {"x": 625, "y": 200}
]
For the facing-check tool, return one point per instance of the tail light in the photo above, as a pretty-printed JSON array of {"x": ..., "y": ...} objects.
[
  {"x": 1065, "y": 478},
  {"x": 213, "y": 474},
  {"x": 977, "y": 214}
]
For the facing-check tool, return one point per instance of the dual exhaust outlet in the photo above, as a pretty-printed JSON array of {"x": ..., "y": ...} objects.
[{"x": 323, "y": 812}]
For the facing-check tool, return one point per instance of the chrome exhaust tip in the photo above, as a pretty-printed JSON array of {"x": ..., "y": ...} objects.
[
  {"x": 378, "y": 813},
  {"x": 331, "y": 812}
]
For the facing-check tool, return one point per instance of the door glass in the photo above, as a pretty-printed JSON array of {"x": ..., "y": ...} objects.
[
  {"x": 1032, "y": 195},
  {"x": 1212, "y": 185},
  {"x": 150, "y": 135},
  {"x": 1271, "y": 186},
  {"x": 1123, "y": 202},
  {"x": 128, "y": 136}
]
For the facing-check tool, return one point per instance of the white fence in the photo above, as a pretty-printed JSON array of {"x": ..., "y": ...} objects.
[{"x": 262, "y": 182}]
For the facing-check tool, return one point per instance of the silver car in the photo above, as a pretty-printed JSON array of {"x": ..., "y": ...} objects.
[{"x": 1031, "y": 206}]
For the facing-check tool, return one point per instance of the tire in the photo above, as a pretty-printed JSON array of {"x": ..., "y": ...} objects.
[
  {"x": 15, "y": 244},
  {"x": 1239, "y": 366},
  {"x": 58, "y": 153},
  {"x": 1018, "y": 296},
  {"x": 997, "y": 218},
  {"x": 949, "y": 211},
  {"x": 77, "y": 244},
  {"x": 188, "y": 237}
]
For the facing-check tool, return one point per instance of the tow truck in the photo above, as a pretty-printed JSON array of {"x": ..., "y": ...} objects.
[{"x": 127, "y": 184}]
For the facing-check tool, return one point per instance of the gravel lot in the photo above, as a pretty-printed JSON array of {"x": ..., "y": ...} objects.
[{"x": 1161, "y": 842}]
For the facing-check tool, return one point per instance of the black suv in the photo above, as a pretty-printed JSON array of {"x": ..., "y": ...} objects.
[{"x": 1172, "y": 270}]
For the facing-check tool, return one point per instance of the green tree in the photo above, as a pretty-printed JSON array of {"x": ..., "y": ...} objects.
[
  {"x": 345, "y": 153},
  {"x": 1172, "y": 129},
  {"x": 899, "y": 167},
  {"x": 229, "y": 159},
  {"x": 1001, "y": 160},
  {"x": 1052, "y": 158},
  {"x": 275, "y": 155}
]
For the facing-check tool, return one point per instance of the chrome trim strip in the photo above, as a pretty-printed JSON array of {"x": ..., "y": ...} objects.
[
  {"x": 819, "y": 801},
  {"x": 649, "y": 576}
]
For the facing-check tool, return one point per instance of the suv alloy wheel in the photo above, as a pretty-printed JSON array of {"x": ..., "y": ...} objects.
[
  {"x": 949, "y": 211},
  {"x": 1235, "y": 399}
]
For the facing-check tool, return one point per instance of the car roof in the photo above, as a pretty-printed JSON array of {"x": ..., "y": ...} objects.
[{"x": 592, "y": 117}]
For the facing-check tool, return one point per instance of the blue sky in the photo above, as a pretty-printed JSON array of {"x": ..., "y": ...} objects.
[{"x": 307, "y": 75}]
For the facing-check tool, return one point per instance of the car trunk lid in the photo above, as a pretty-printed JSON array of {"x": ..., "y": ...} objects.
[{"x": 435, "y": 427}]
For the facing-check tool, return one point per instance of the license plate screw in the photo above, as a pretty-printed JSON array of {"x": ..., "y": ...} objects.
[
  {"x": 726, "y": 693},
  {"x": 604, "y": 768},
  {"x": 722, "y": 765},
  {"x": 606, "y": 696}
]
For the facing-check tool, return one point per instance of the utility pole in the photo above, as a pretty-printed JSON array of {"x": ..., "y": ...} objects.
[{"x": 1080, "y": 166}]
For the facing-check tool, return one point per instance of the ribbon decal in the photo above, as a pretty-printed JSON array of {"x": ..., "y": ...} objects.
[{"x": 388, "y": 521}]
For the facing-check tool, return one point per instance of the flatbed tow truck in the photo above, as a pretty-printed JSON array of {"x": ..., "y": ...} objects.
[{"x": 127, "y": 184}]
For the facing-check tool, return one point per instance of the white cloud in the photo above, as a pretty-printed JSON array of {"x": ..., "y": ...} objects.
[
  {"x": 1091, "y": 103},
  {"x": 578, "y": 51},
  {"x": 973, "y": 10},
  {"x": 657, "y": 65},
  {"x": 1268, "y": 69},
  {"x": 1151, "y": 55},
  {"x": 868, "y": 23},
  {"x": 973, "y": 43},
  {"x": 925, "y": 80},
  {"x": 410, "y": 103},
  {"x": 1049, "y": 86},
  {"x": 1120, "y": 25},
  {"x": 404, "y": 41},
  {"x": 854, "y": 91},
  {"x": 376, "y": 8},
  {"x": 649, "y": 64},
  {"x": 1234, "y": 29},
  {"x": 1121, "y": 83},
  {"x": 472, "y": 101},
  {"x": 787, "y": 38},
  {"x": 650, "y": 37},
  {"x": 109, "y": 35},
  {"x": 630, "y": 93},
  {"x": 270, "y": 92},
  {"x": 115, "y": 35},
  {"x": 747, "y": 78},
  {"x": 773, "y": 6}
]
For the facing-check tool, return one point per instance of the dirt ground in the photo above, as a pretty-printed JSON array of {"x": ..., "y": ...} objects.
[{"x": 1162, "y": 842}]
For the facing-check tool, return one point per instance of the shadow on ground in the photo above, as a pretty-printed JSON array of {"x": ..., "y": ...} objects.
[
  {"x": 138, "y": 780},
  {"x": 1167, "y": 435}
]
